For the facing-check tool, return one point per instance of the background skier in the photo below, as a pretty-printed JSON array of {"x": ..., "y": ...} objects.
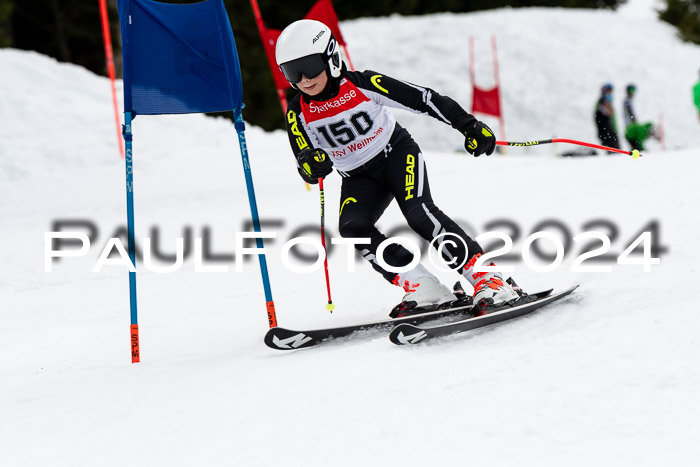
[
  {"x": 635, "y": 133},
  {"x": 605, "y": 118},
  {"x": 696, "y": 97}
]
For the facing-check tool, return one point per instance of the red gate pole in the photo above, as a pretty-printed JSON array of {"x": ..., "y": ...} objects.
[
  {"x": 261, "y": 30},
  {"x": 498, "y": 86},
  {"x": 107, "y": 39}
]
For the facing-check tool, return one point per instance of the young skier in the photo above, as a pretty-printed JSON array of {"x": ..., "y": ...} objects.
[{"x": 339, "y": 119}]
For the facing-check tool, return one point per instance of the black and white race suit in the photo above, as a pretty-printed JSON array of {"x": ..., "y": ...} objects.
[{"x": 379, "y": 160}]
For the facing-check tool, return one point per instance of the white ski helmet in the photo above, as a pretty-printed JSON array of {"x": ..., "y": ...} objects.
[{"x": 307, "y": 47}]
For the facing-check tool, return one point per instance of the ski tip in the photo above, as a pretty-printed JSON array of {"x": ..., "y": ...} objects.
[
  {"x": 286, "y": 339},
  {"x": 406, "y": 334}
]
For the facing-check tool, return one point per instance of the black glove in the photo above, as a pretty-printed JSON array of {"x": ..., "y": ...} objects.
[
  {"x": 314, "y": 164},
  {"x": 479, "y": 140}
]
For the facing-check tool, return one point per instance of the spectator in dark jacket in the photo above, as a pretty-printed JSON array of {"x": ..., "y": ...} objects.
[{"x": 605, "y": 118}]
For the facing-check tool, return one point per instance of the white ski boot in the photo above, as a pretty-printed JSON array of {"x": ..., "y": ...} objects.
[
  {"x": 492, "y": 291},
  {"x": 424, "y": 292}
]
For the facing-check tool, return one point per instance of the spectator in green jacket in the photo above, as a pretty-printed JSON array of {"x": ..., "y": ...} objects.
[
  {"x": 696, "y": 96},
  {"x": 635, "y": 132}
]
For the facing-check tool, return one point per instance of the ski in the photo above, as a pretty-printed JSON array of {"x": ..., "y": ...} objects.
[
  {"x": 280, "y": 338},
  {"x": 407, "y": 333}
]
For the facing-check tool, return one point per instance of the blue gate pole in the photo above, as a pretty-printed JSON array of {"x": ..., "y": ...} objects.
[
  {"x": 240, "y": 129},
  {"x": 128, "y": 160}
]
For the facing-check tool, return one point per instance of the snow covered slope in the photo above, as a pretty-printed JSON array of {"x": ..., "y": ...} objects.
[{"x": 609, "y": 377}]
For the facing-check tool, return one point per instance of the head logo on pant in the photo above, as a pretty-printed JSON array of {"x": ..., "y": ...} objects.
[
  {"x": 410, "y": 178},
  {"x": 348, "y": 200}
]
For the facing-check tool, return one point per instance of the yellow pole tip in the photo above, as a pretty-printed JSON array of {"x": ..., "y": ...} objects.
[
  {"x": 635, "y": 154},
  {"x": 330, "y": 307}
]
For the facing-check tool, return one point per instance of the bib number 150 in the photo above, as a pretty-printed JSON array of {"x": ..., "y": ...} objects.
[{"x": 346, "y": 131}]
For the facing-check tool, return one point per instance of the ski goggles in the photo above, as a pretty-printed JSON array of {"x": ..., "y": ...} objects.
[{"x": 310, "y": 66}]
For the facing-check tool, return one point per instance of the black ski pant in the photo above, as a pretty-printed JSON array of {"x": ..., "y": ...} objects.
[
  {"x": 398, "y": 173},
  {"x": 606, "y": 132}
]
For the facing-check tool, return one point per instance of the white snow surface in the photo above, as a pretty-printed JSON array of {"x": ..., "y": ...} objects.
[{"x": 610, "y": 377}]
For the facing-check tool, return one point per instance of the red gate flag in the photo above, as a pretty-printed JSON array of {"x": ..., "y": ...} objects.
[
  {"x": 486, "y": 101},
  {"x": 324, "y": 12},
  {"x": 109, "y": 57},
  {"x": 269, "y": 37}
]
